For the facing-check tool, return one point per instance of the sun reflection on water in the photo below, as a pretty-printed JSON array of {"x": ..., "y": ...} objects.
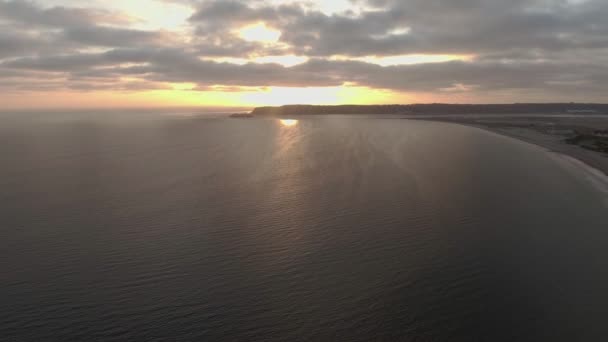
[{"x": 289, "y": 122}]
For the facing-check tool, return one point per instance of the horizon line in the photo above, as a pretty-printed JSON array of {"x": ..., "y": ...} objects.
[{"x": 237, "y": 108}]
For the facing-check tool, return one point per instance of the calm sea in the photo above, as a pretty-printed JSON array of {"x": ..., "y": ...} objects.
[{"x": 178, "y": 228}]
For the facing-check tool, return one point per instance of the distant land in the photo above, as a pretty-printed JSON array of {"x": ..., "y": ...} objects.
[{"x": 436, "y": 108}]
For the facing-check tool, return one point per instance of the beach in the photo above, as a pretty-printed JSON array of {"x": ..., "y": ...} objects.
[{"x": 549, "y": 131}]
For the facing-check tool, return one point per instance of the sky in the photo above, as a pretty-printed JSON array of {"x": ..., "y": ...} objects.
[{"x": 171, "y": 53}]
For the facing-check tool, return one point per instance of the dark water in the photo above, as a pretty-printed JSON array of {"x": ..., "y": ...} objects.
[{"x": 335, "y": 229}]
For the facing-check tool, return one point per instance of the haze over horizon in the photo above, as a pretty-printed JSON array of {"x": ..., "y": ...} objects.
[{"x": 226, "y": 53}]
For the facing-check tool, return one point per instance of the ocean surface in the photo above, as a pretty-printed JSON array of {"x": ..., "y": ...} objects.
[{"x": 205, "y": 228}]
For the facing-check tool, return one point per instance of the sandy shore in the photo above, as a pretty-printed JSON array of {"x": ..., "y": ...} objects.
[{"x": 546, "y": 131}]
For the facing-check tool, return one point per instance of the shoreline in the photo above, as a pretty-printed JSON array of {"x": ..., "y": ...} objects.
[{"x": 551, "y": 143}]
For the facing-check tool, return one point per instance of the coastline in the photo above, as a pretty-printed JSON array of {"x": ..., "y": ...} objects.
[
  {"x": 596, "y": 161},
  {"x": 546, "y": 126}
]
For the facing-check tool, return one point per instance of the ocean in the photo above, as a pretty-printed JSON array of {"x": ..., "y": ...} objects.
[{"x": 207, "y": 228}]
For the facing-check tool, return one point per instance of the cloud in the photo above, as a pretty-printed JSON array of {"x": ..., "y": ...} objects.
[
  {"x": 550, "y": 47},
  {"x": 176, "y": 66},
  {"x": 26, "y": 12},
  {"x": 113, "y": 37},
  {"x": 78, "y": 27}
]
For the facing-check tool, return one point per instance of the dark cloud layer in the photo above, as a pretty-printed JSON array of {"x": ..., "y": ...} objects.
[{"x": 553, "y": 48}]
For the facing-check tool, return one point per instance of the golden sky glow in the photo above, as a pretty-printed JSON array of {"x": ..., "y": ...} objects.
[
  {"x": 259, "y": 33},
  {"x": 405, "y": 59},
  {"x": 284, "y": 60},
  {"x": 277, "y": 96}
]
